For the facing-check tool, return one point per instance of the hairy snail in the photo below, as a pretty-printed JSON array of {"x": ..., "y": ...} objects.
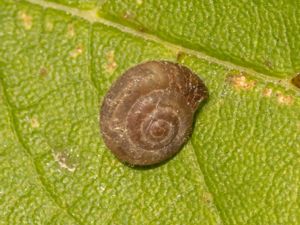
[{"x": 147, "y": 115}]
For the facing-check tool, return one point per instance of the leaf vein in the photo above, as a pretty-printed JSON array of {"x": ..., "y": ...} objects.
[
  {"x": 93, "y": 17},
  {"x": 29, "y": 154},
  {"x": 218, "y": 210}
]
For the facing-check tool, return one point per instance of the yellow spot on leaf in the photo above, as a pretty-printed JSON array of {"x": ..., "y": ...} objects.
[
  {"x": 284, "y": 99},
  {"x": 63, "y": 161},
  {"x": 241, "y": 82},
  {"x": 70, "y": 30},
  {"x": 127, "y": 15},
  {"x": 110, "y": 65},
  {"x": 267, "y": 92},
  {"x": 139, "y": 2},
  {"x": 26, "y": 19},
  {"x": 76, "y": 52},
  {"x": 34, "y": 122}
]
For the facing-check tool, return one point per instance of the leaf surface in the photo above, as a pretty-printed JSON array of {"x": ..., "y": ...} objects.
[{"x": 57, "y": 61}]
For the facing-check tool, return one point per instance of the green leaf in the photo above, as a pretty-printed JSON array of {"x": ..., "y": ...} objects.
[{"x": 57, "y": 61}]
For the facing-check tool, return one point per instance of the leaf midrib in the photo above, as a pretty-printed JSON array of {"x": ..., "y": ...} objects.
[{"x": 93, "y": 17}]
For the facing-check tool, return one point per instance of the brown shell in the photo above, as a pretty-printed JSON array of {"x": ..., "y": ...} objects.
[{"x": 147, "y": 114}]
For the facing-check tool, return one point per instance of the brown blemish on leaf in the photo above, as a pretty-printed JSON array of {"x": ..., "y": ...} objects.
[
  {"x": 63, "y": 161},
  {"x": 26, "y": 19},
  {"x": 207, "y": 198},
  {"x": 70, "y": 30},
  {"x": 180, "y": 55},
  {"x": 280, "y": 81},
  {"x": 241, "y": 82},
  {"x": 77, "y": 51},
  {"x": 284, "y": 99},
  {"x": 43, "y": 72},
  {"x": 142, "y": 29},
  {"x": 296, "y": 80},
  {"x": 267, "y": 92},
  {"x": 268, "y": 64},
  {"x": 110, "y": 65}
]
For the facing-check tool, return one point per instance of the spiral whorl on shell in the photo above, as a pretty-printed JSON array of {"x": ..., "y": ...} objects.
[{"x": 147, "y": 114}]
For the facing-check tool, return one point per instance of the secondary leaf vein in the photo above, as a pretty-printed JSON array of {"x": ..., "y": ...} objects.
[
  {"x": 218, "y": 211},
  {"x": 29, "y": 154}
]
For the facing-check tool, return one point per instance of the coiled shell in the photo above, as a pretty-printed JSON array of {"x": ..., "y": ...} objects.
[{"x": 147, "y": 114}]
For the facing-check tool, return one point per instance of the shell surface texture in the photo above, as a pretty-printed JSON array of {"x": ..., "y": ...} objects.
[{"x": 147, "y": 114}]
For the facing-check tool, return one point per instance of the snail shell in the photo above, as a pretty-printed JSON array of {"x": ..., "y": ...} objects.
[{"x": 147, "y": 114}]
